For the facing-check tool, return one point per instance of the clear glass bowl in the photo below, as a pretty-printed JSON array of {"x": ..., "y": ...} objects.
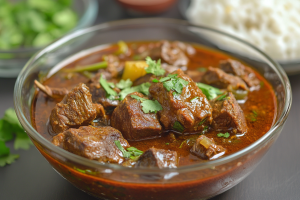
[
  {"x": 12, "y": 61},
  {"x": 110, "y": 181}
]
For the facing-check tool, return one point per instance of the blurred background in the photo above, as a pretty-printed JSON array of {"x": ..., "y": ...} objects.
[{"x": 29, "y": 25}]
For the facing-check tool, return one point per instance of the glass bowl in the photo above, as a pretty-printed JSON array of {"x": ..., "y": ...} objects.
[
  {"x": 110, "y": 181},
  {"x": 12, "y": 61}
]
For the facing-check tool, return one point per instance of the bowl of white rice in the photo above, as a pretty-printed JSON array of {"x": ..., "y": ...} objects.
[{"x": 272, "y": 25}]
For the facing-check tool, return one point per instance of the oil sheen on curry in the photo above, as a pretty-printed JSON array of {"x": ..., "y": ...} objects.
[{"x": 156, "y": 104}]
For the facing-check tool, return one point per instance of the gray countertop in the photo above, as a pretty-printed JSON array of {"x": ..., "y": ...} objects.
[{"x": 277, "y": 177}]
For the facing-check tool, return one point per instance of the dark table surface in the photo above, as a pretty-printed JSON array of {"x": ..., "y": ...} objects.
[{"x": 277, "y": 177}]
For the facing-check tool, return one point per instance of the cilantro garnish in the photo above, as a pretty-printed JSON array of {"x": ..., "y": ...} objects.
[
  {"x": 172, "y": 82},
  {"x": 155, "y": 80},
  {"x": 154, "y": 67},
  {"x": 253, "y": 116},
  {"x": 167, "y": 143},
  {"x": 148, "y": 105},
  {"x": 143, "y": 88},
  {"x": 222, "y": 97},
  {"x": 225, "y": 135},
  {"x": 131, "y": 152},
  {"x": 178, "y": 126},
  {"x": 106, "y": 86},
  {"x": 10, "y": 127},
  {"x": 205, "y": 129},
  {"x": 124, "y": 84},
  {"x": 209, "y": 91},
  {"x": 202, "y": 122}
]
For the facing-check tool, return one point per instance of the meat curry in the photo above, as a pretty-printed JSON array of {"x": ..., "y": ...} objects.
[{"x": 158, "y": 104}]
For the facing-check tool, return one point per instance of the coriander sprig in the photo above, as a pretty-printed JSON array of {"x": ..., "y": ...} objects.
[
  {"x": 148, "y": 105},
  {"x": 154, "y": 67}
]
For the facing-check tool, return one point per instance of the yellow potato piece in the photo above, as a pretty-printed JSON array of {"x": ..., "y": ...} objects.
[{"x": 134, "y": 70}]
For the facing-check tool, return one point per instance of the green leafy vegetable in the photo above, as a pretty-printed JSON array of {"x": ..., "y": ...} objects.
[
  {"x": 225, "y": 135},
  {"x": 222, "y": 97},
  {"x": 124, "y": 84},
  {"x": 148, "y": 105},
  {"x": 172, "y": 82},
  {"x": 106, "y": 86},
  {"x": 209, "y": 91},
  {"x": 132, "y": 152},
  {"x": 143, "y": 88},
  {"x": 178, "y": 126},
  {"x": 155, "y": 80},
  {"x": 92, "y": 67},
  {"x": 10, "y": 125},
  {"x": 154, "y": 67}
]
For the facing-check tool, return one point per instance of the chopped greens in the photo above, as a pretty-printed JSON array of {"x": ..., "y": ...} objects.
[
  {"x": 154, "y": 67},
  {"x": 225, "y": 135},
  {"x": 124, "y": 84},
  {"x": 148, "y": 105},
  {"x": 106, "y": 86},
  {"x": 143, "y": 88},
  {"x": 92, "y": 67},
  {"x": 172, "y": 82},
  {"x": 132, "y": 152},
  {"x": 209, "y": 91},
  {"x": 178, "y": 126},
  {"x": 155, "y": 80},
  {"x": 222, "y": 97},
  {"x": 10, "y": 126},
  {"x": 253, "y": 116},
  {"x": 202, "y": 122}
]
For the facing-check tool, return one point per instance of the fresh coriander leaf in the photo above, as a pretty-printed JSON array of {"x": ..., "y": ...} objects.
[
  {"x": 194, "y": 99},
  {"x": 143, "y": 88},
  {"x": 173, "y": 75},
  {"x": 164, "y": 79},
  {"x": 167, "y": 143},
  {"x": 220, "y": 98},
  {"x": 209, "y": 91},
  {"x": 137, "y": 98},
  {"x": 22, "y": 141},
  {"x": 172, "y": 82},
  {"x": 4, "y": 150},
  {"x": 124, "y": 84},
  {"x": 202, "y": 69},
  {"x": 125, "y": 153},
  {"x": 6, "y": 133},
  {"x": 202, "y": 122},
  {"x": 180, "y": 84},
  {"x": 178, "y": 127},
  {"x": 8, "y": 159},
  {"x": 11, "y": 117},
  {"x": 111, "y": 85},
  {"x": 154, "y": 67},
  {"x": 155, "y": 80},
  {"x": 225, "y": 135},
  {"x": 168, "y": 85},
  {"x": 105, "y": 85},
  {"x": 151, "y": 106}
]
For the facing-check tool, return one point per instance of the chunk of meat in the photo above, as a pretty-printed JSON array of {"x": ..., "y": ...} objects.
[
  {"x": 144, "y": 79},
  {"x": 134, "y": 124},
  {"x": 220, "y": 79},
  {"x": 114, "y": 68},
  {"x": 171, "y": 68},
  {"x": 98, "y": 92},
  {"x": 74, "y": 110},
  {"x": 189, "y": 108},
  {"x": 160, "y": 158},
  {"x": 238, "y": 69},
  {"x": 195, "y": 75},
  {"x": 94, "y": 143},
  {"x": 206, "y": 148},
  {"x": 228, "y": 115}
]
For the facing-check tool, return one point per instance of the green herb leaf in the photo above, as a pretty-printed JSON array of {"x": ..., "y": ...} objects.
[
  {"x": 22, "y": 141},
  {"x": 6, "y": 133},
  {"x": 125, "y": 153},
  {"x": 4, "y": 150},
  {"x": 8, "y": 159},
  {"x": 106, "y": 86},
  {"x": 172, "y": 82},
  {"x": 155, "y": 80},
  {"x": 178, "y": 126},
  {"x": 167, "y": 143},
  {"x": 154, "y": 67},
  {"x": 222, "y": 97},
  {"x": 124, "y": 84},
  {"x": 209, "y": 91},
  {"x": 225, "y": 135},
  {"x": 148, "y": 105},
  {"x": 143, "y": 88},
  {"x": 202, "y": 122}
]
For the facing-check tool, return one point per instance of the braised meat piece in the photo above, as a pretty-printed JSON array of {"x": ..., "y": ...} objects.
[
  {"x": 206, "y": 148},
  {"x": 220, "y": 79},
  {"x": 114, "y": 66},
  {"x": 74, "y": 110},
  {"x": 134, "y": 124},
  {"x": 95, "y": 143},
  {"x": 160, "y": 158},
  {"x": 188, "y": 108},
  {"x": 228, "y": 115},
  {"x": 238, "y": 69},
  {"x": 99, "y": 94},
  {"x": 195, "y": 75}
]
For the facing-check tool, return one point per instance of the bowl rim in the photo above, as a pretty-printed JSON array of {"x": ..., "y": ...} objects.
[
  {"x": 88, "y": 17},
  {"x": 95, "y": 164}
]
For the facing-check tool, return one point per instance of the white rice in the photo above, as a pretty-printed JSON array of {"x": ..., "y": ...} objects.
[{"x": 271, "y": 25}]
